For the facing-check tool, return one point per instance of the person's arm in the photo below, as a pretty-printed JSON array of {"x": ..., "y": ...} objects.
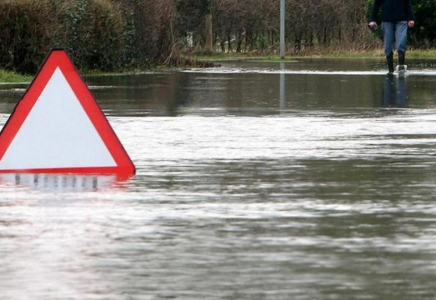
[
  {"x": 375, "y": 9},
  {"x": 410, "y": 15}
]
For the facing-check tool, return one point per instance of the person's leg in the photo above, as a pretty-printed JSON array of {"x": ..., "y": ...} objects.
[
  {"x": 388, "y": 32},
  {"x": 388, "y": 40},
  {"x": 390, "y": 62},
  {"x": 401, "y": 41}
]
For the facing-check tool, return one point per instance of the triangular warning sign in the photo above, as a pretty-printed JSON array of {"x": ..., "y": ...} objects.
[{"x": 58, "y": 127}]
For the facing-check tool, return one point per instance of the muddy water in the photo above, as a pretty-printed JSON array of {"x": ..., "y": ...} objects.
[{"x": 312, "y": 179}]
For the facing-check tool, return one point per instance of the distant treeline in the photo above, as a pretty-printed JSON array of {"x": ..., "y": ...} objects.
[{"x": 118, "y": 34}]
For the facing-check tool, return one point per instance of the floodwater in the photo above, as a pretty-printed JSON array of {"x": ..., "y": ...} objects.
[{"x": 305, "y": 180}]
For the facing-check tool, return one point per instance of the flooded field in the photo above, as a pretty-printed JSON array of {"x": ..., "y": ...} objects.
[{"x": 304, "y": 180}]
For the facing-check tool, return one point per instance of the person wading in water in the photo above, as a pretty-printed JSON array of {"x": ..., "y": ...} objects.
[{"x": 397, "y": 17}]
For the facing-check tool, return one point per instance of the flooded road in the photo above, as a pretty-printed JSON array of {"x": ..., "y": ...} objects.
[{"x": 304, "y": 180}]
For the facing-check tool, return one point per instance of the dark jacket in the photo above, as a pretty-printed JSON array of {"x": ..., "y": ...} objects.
[{"x": 393, "y": 10}]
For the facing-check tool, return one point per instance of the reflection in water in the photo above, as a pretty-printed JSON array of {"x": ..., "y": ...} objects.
[
  {"x": 282, "y": 87},
  {"x": 308, "y": 84},
  {"x": 62, "y": 182},
  {"x": 394, "y": 91}
]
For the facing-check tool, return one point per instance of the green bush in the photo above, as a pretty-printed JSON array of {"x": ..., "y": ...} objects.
[
  {"x": 98, "y": 34},
  {"x": 25, "y": 34},
  {"x": 424, "y": 33},
  {"x": 92, "y": 32}
]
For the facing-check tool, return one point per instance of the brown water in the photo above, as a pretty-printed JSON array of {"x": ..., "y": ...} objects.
[{"x": 313, "y": 179}]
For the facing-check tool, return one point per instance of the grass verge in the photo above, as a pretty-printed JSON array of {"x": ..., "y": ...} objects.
[
  {"x": 412, "y": 53},
  {"x": 13, "y": 77}
]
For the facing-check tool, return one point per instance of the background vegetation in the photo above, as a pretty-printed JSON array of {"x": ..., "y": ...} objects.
[{"x": 118, "y": 34}]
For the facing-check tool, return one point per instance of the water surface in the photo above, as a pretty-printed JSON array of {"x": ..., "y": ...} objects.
[{"x": 312, "y": 179}]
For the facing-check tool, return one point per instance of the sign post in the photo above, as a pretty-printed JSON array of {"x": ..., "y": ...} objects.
[{"x": 282, "y": 29}]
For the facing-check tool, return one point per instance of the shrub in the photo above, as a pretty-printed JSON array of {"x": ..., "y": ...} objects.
[
  {"x": 25, "y": 34},
  {"x": 92, "y": 31}
]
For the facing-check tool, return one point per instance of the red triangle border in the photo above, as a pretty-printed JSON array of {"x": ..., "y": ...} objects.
[{"x": 58, "y": 58}]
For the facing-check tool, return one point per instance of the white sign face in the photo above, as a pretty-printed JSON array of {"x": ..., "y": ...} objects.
[{"x": 57, "y": 133}]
